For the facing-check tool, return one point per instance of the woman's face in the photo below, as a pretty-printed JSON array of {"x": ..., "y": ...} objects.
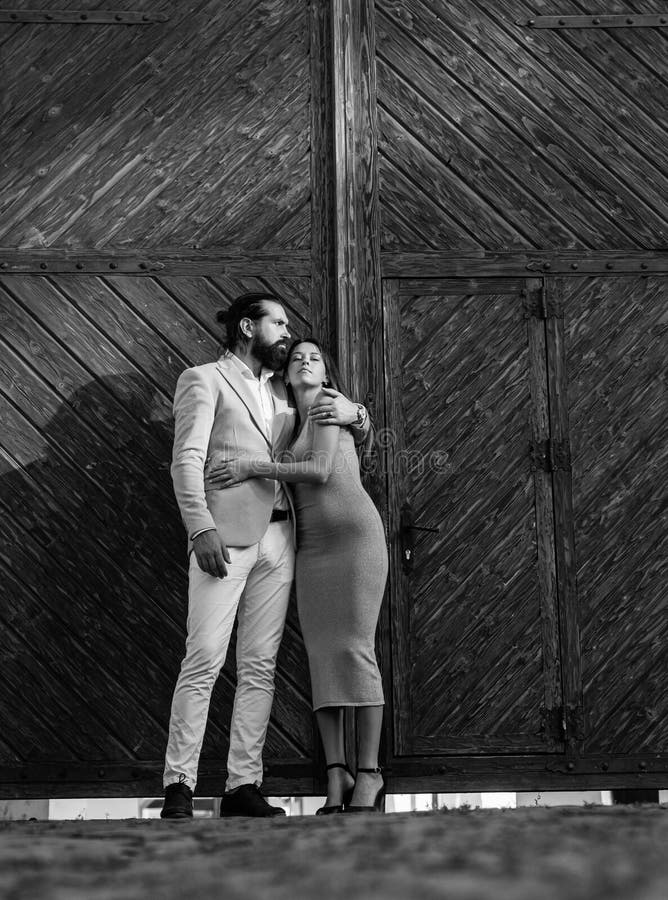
[{"x": 306, "y": 366}]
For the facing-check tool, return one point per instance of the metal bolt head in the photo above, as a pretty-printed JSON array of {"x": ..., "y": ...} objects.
[
  {"x": 574, "y": 266},
  {"x": 609, "y": 266},
  {"x": 643, "y": 265},
  {"x": 596, "y": 21},
  {"x": 571, "y": 766},
  {"x": 4, "y": 265},
  {"x": 43, "y": 266},
  {"x": 642, "y": 766},
  {"x": 113, "y": 265},
  {"x": 80, "y": 265}
]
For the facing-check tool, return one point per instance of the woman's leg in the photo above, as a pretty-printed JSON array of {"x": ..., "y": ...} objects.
[
  {"x": 369, "y": 727},
  {"x": 330, "y": 723}
]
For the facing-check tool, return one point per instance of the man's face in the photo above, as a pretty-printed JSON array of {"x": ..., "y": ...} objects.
[{"x": 269, "y": 344}]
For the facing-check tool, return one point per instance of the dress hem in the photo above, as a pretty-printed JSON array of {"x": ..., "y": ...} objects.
[{"x": 351, "y": 703}]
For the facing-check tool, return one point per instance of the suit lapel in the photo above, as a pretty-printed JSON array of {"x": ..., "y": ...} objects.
[{"x": 240, "y": 387}]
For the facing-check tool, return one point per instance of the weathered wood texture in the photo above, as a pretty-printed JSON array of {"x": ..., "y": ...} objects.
[
  {"x": 93, "y": 553},
  {"x": 495, "y": 136},
  {"x": 615, "y": 351},
  {"x": 191, "y": 133},
  {"x": 475, "y": 625}
]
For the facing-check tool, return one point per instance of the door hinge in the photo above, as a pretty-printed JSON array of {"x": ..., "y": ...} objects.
[
  {"x": 601, "y": 21},
  {"x": 80, "y": 17},
  {"x": 538, "y": 304},
  {"x": 550, "y": 456}
]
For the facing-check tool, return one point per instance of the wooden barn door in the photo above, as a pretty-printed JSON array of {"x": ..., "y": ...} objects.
[
  {"x": 504, "y": 147},
  {"x": 155, "y": 164},
  {"x": 476, "y": 658}
]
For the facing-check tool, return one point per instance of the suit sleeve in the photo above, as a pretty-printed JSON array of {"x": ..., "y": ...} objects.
[{"x": 194, "y": 410}]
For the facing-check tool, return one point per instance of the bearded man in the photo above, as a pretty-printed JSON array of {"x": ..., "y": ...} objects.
[{"x": 240, "y": 545}]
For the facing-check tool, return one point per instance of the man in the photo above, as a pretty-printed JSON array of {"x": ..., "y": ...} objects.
[{"x": 241, "y": 546}]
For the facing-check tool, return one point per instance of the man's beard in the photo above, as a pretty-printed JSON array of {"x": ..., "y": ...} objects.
[{"x": 273, "y": 356}]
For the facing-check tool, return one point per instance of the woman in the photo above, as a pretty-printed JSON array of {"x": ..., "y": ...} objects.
[{"x": 341, "y": 570}]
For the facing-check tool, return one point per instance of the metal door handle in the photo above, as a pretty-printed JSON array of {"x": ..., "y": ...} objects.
[{"x": 407, "y": 526}]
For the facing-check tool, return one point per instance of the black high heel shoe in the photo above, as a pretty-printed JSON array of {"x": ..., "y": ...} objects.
[
  {"x": 380, "y": 796},
  {"x": 347, "y": 794}
]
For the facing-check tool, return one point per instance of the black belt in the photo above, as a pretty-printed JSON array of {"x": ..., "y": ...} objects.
[{"x": 279, "y": 515}]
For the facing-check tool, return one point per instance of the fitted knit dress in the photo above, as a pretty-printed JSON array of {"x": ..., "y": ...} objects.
[{"x": 341, "y": 570}]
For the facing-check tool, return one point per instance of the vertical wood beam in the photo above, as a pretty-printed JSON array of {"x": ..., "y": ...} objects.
[
  {"x": 359, "y": 330},
  {"x": 323, "y": 302},
  {"x": 569, "y": 613},
  {"x": 358, "y": 304}
]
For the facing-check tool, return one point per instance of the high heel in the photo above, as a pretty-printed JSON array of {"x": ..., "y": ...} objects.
[
  {"x": 347, "y": 794},
  {"x": 380, "y": 796}
]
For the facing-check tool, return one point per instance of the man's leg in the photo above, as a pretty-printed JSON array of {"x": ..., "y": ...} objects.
[
  {"x": 261, "y": 619},
  {"x": 212, "y": 606}
]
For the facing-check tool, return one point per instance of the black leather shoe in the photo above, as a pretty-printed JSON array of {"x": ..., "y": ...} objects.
[
  {"x": 248, "y": 801},
  {"x": 178, "y": 802}
]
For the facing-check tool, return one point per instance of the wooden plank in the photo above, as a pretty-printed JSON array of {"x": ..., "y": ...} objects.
[
  {"x": 322, "y": 232},
  {"x": 104, "y": 573},
  {"x": 405, "y": 211},
  {"x": 439, "y": 287},
  {"x": 33, "y": 683},
  {"x": 630, "y": 63},
  {"x": 357, "y": 210},
  {"x": 141, "y": 779},
  {"x": 497, "y": 133},
  {"x": 230, "y": 261},
  {"x": 545, "y": 527},
  {"x": 432, "y": 125},
  {"x": 569, "y": 612},
  {"x": 630, "y": 136},
  {"x": 396, "y": 619},
  {"x": 614, "y": 345},
  {"x": 519, "y": 773},
  {"x": 154, "y": 120},
  {"x": 50, "y": 616},
  {"x": 544, "y": 136},
  {"x": 470, "y": 264},
  {"x": 434, "y": 178},
  {"x": 582, "y": 122},
  {"x": 207, "y": 201}
]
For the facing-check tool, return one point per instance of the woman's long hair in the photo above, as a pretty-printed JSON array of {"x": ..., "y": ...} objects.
[{"x": 334, "y": 379}]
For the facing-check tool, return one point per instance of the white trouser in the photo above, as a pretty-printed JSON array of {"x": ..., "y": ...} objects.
[{"x": 257, "y": 589}]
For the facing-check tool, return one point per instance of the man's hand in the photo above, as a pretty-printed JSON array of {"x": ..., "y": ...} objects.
[
  {"x": 211, "y": 553},
  {"x": 228, "y": 473},
  {"x": 333, "y": 408}
]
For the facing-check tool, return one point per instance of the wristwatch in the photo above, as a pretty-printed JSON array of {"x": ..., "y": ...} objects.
[{"x": 361, "y": 415}]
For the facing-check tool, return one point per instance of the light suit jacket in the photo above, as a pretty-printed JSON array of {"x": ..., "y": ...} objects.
[{"x": 217, "y": 416}]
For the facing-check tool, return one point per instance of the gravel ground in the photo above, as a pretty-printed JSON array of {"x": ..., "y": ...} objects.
[{"x": 569, "y": 853}]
